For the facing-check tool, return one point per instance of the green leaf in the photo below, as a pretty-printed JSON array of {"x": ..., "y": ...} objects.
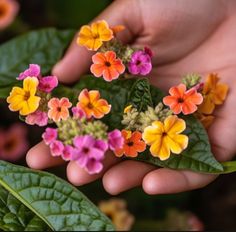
[
  {"x": 15, "y": 216},
  {"x": 44, "y": 47},
  {"x": 60, "y": 205},
  {"x": 197, "y": 157},
  {"x": 140, "y": 96}
]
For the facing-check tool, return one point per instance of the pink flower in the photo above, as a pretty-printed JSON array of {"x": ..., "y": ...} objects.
[
  {"x": 57, "y": 148},
  {"x": 8, "y": 12},
  {"x": 13, "y": 142},
  {"x": 32, "y": 71},
  {"x": 58, "y": 109},
  {"x": 78, "y": 113},
  {"x": 115, "y": 140},
  {"x": 140, "y": 63},
  {"x": 68, "y": 153},
  {"x": 37, "y": 118},
  {"x": 50, "y": 135},
  {"x": 90, "y": 153},
  {"x": 47, "y": 84}
]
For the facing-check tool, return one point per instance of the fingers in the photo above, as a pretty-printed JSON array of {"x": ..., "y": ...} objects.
[
  {"x": 168, "y": 181},
  {"x": 78, "y": 176},
  {"x": 125, "y": 175},
  {"x": 39, "y": 157},
  {"x": 77, "y": 59}
]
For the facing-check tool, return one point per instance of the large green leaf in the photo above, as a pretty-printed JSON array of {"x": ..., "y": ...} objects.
[
  {"x": 44, "y": 47},
  {"x": 15, "y": 216},
  {"x": 53, "y": 200}
]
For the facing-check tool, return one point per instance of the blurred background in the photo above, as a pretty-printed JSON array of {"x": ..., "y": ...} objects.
[{"x": 211, "y": 208}]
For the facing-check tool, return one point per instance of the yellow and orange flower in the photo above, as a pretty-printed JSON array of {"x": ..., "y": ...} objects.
[
  {"x": 118, "y": 28},
  {"x": 91, "y": 103},
  {"x": 166, "y": 137},
  {"x": 116, "y": 210},
  {"x": 133, "y": 144},
  {"x": 107, "y": 65},
  {"x": 214, "y": 93},
  {"x": 58, "y": 109},
  {"x": 92, "y": 37},
  {"x": 8, "y": 12},
  {"x": 24, "y": 99},
  {"x": 182, "y": 100}
]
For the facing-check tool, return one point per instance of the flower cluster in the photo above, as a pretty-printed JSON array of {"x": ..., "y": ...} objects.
[
  {"x": 31, "y": 100},
  {"x": 113, "y": 58},
  {"x": 80, "y": 135}
]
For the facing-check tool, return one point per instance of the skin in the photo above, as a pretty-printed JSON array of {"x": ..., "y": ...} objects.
[{"x": 186, "y": 36}]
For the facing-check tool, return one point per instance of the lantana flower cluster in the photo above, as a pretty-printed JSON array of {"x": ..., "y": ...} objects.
[
  {"x": 112, "y": 58},
  {"x": 78, "y": 132}
]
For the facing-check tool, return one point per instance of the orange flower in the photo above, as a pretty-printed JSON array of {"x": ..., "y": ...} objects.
[
  {"x": 91, "y": 103},
  {"x": 132, "y": 145},
  {"x": 107, "y": 65},
  {"x": 8, "y": 12},
  {"x": 181, "y": 100},
  {"x": 206, "y": 120},
  {"x": 118, "y": 28},
  {"x": 92, "y": 37},
  {"x": 214, "y": 93},
  {"x": 58, "y": 109}
]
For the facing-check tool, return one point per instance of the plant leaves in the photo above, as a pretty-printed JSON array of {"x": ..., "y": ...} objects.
[
  {"x": 53, "y": 200},
  {"x": 140, "y": 96},
  {"x": 43, "y": 47},
  {"x": 15, "y": 216}
]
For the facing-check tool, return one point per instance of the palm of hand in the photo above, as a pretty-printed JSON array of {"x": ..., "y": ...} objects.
[{"x": 185, "y": 37}]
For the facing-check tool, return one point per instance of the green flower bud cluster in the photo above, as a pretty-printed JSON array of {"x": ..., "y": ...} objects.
[
  {"x": 134, "y": 120},
  {"x": 43, "y": 104},
  {"x": 70, "y": 128},
  {"x": 191, "y": 80},
  {"x": 124, "y": 52},
  {"x": 97, "y": 129}
]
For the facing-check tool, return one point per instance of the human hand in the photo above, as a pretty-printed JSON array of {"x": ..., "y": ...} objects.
[{"x": 186, "y": 36}]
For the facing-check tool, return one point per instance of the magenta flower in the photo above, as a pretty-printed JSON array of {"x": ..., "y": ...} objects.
[
  {"x": 78, "y": 113},
  {"x": 68, "y": 153},
  {"x": 115, "y": 140},
  {"x": 57, "y": 148},
  {"x": 13, "y": 142},
  {"x": 140, "y": 63},
  {"x": 47, "y": 84},
  {"x": 32, "y": 71},
  {"x": 89, "y": 153},
  {"x": 50, "y": 135},
  {"x": 37, "y": 118}
]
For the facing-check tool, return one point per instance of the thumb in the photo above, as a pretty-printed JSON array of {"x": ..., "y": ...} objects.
[{"x": 78, "y": 59}]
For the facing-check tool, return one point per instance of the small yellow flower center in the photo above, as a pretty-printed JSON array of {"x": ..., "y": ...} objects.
[{"x": 27, "y": 95}]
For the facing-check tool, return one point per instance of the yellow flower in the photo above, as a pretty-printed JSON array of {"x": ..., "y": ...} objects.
[
  {"x": 24, "y": 99},
  {"x": 116, "y": 210},
  {"x": 165, "y": 137},
  {"x": 127, "y": 109},
  {"x": 214, "y": 93},
  {"x": 92, "y": 37}
]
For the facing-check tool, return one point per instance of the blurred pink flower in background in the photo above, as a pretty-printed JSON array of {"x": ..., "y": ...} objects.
[
  {"x": 13, "y": 142},
  {"x": 8, "y": 12}
]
